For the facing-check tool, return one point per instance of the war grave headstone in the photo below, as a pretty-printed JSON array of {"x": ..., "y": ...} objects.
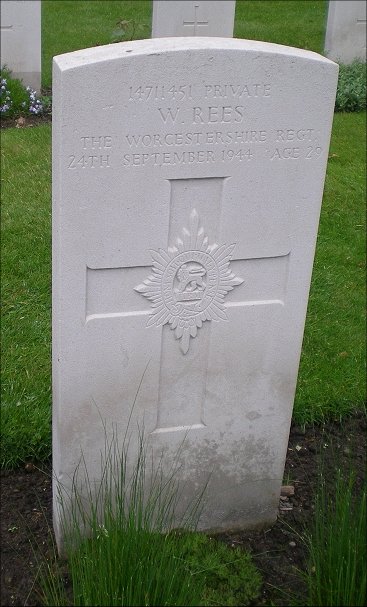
[
  {"x": 21, "y": 40},
  {"x": 187, "y": 18},
  {"x": 186, "y": 196},
  {"x": 345, "y": 39}
]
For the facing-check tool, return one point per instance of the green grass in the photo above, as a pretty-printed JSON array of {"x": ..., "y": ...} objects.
[
  {"x": 332, "y": 371},
  {"x": 186, "y": 568},
  {"x": 128, "y": 565},
  {"x": 136, "y": 552},
  {"x": 337, "y": 546},
  {"x": 26, "y": 294},
  {"x": 331, "y": 379},
  {"x": 299, "y": 23},
  {"x": 86, "y": 23}
]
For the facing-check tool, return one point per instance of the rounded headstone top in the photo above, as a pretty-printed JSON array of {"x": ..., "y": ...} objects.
[{"x": 161, "y": 45}]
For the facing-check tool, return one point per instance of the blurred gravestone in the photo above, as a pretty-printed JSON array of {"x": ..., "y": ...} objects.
[
  {"x": 187, "y": 189},
  {"x": 21, "y": 40},
  {"x": 187, "y": 18},
  {"x": 345, "y": 39}
]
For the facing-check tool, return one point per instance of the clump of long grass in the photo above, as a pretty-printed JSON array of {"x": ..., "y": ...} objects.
[
  {"x": 124, "y": 544},
  {"x": 337, "y": 545},
  {"x": 114, "y": 535}
]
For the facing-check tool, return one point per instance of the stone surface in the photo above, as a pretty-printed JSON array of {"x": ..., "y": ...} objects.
[
  {"x": 345, "y": 38},
  {"x": 21, "y": 40},
  {"x": 186, "y": 195},
  {"x": 188, "y": 18}
]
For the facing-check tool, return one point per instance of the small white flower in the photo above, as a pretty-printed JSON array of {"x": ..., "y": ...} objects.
[{"x": 102, "y": 532}]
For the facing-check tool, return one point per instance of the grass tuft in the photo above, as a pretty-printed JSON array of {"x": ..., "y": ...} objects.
[
  {"x": 337, "y": 546},
  {"x": 124, "y": 547}
]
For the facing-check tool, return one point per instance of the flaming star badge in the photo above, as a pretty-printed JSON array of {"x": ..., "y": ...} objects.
[{"x": 189, "y": 282}]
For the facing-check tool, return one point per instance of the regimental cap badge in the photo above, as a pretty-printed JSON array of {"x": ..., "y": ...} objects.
[{"x": 189, "y": 282}]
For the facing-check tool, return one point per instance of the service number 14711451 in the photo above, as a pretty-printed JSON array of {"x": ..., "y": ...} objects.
[{"x": 160, "y": 92}]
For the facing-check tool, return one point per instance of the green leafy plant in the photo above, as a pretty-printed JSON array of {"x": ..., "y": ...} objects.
[
  {"x": 19, "y": 100},
  {"x": 12, "y": 94},
  {"x": 229, "y": 576},
  {"x": 129, "y": 29},
  {"x": 351, "y": 92}
]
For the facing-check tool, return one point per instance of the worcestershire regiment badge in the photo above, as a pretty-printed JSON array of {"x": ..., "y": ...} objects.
[{"x": 189, "y": 282}]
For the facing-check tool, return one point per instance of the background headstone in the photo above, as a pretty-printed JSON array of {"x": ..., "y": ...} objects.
[
  {"x": 21, "y": 40},
  {"x": 188, "y": 18},
  {"x": 186, "y": 196},
  {"x": 345, "y": 38}
]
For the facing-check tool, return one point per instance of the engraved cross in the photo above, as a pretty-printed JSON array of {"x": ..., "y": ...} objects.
[
  {"x": 111, "y": 294},
  {"x": 196, "y": 23},
  {"x": 363, "y": 23}
]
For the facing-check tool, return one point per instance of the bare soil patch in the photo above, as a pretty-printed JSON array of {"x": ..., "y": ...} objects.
[{"x": 25, "y": 121}]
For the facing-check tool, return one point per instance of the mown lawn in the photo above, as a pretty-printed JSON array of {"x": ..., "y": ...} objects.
[
  {"x": 331, "y": 379},
  {"x": 86, "y": 23},
  {"x": 332, "y": 376}
]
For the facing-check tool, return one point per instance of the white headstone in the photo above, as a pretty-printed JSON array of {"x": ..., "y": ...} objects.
[
  {"x": 345, "y": 38},
  {"x": 21, "y": 40},
  {"x": 193, "y": 18},
  {"x": 186, "y": 196}
]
